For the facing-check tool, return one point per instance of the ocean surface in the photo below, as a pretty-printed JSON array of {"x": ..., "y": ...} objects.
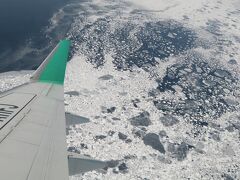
[
  {"x": 157, "y": 79},
  {"x": 22, "y": 32}
]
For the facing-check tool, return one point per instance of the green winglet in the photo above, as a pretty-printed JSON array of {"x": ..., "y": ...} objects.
[{"x": 54, "y": 70}]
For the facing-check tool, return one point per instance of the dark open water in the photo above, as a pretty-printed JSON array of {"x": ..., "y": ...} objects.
[{"x": 20, "y": 22}]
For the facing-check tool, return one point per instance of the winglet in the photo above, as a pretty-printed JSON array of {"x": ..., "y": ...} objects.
[{"x": 52, "y": 70}]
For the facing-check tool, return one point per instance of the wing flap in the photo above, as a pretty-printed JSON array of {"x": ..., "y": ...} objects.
[
  {"x": 32, "y": 124},
  {"x": 32, "y": 127},
  {"x": 40, "y": 128}
]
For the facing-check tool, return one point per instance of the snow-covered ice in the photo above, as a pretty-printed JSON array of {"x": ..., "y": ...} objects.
[{"x": 159, "y": 81}]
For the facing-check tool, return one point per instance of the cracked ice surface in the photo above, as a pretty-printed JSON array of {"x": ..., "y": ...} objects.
[{"x": 159, "y": 82}]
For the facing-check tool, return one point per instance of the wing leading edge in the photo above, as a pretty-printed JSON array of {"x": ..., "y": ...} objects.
[{"x": 33, "y": 127}]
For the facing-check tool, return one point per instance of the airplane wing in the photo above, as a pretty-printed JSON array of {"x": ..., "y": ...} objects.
[{"x": 33, "y": 128}]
